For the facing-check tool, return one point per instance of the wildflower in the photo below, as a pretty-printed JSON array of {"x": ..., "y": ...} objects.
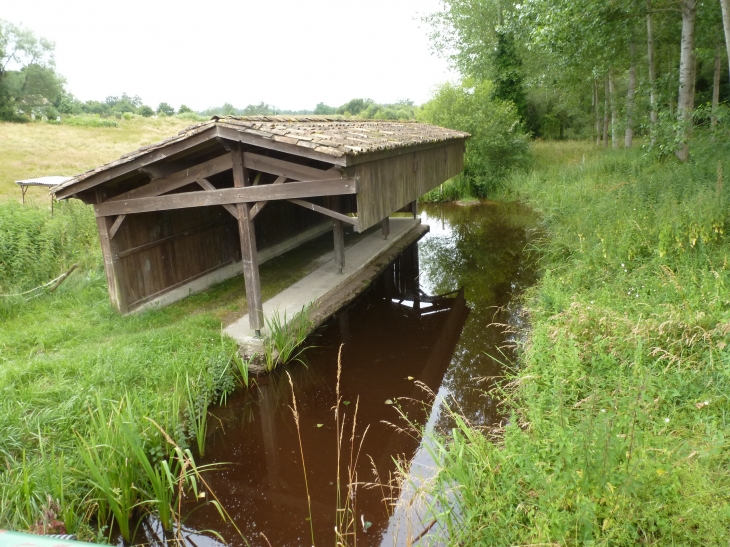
[{"x": 666, "y": 420}]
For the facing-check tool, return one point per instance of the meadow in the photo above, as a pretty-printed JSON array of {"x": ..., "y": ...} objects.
[
  {"x": 44, "y": 149},
  {"x": 618, "y": 402}
]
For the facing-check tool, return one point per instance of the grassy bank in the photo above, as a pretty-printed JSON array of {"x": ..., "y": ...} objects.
[
  {"x": 74, "y": 374},
  {"x": 619, "y": 425}
]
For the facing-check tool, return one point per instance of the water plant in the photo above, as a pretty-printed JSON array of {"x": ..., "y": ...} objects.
[
  {"x": 284, "y": 340},
  {"x": 197, "y": 412}
]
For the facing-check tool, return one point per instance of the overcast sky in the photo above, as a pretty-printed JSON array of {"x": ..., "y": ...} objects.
[{"x": 291, "y": 54}]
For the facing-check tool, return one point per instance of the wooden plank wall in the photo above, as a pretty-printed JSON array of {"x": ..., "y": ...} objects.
[
  {"x": 386, "y": 185},
  {"x": 160, "y": 251}
]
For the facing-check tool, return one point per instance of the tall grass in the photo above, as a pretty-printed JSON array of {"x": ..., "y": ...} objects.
[
  {"x": 283, "y": 344},
  {"x": 618, "y": 426}
]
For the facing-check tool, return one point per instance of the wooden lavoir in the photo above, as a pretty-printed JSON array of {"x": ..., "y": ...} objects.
[{"x": 230, "y": 189}]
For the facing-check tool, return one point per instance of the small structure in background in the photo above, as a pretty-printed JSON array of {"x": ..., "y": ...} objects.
[
  {"x": 222, "y": 196},
  {"x": 46, "y": 182}
]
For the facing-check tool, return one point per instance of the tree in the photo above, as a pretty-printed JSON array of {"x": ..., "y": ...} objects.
[
  {"x": 725, "y": 4},
  {"x": 507, "y": 73},
  {"x": 184, "y": 109},
  {"x": 685, "y": 99},
  {"x": 355, "y": 106},
  {"x": 322, "y": 109},
  {"x": 165, "y": 109},
  {"x": 28, "y": 79},
  {"x": 145, "y": 111}
]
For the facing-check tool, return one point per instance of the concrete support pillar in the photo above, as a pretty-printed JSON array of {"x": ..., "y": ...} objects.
[
  {"x": 385, "y": 226},
  {"x": 249, "y": 253},
  {"x": 338, "y": 230},
  {"x": 414, "y": 208}
]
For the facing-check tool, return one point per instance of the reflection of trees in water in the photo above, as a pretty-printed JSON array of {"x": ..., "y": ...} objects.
[{"x": 480, "y": 248}]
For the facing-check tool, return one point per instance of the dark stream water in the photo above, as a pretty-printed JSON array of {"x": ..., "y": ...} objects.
[{"x": 429, "y": 323}]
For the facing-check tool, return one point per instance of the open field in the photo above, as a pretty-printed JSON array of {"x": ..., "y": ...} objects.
[
  {"x": 43, "y": 149},
  {"x": 619, "y": 403}
]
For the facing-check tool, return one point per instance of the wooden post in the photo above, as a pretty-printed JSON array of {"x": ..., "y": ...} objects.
[
  {"x": 338, "y": 230},
  {"x": 110, "y": 253},
  {"x": 414, "y": 208},
  {"x": 385, "y": 226},
  {"x": 23, "y": 190},
  {"x": 249, "y": 253}
]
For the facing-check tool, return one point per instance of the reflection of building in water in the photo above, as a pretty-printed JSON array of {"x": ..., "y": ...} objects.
[{"x": 395, "y": 337}]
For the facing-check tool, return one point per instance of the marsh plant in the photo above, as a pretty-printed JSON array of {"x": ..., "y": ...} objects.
[
  {"x": 135, "y": 468},
  {"x": 283, "y": 344}
]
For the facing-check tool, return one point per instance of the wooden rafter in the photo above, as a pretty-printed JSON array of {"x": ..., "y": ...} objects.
[
  {"x": 325, "y": 211},
  {"x": 154, "y": 156},
  {"x": 177, "y": 180},
  {"x": 222, "y": 196}
]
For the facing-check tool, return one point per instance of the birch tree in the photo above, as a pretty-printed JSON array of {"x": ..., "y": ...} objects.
[{"x": 685, "y": 97}]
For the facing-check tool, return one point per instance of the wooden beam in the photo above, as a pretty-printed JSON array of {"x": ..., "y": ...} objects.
[
  {"x": 249, "y": 253},
  {"x": 236, "y": 135},
  {"x": 291, "y": 190},
  {"x": 284, "y": 168},
  {"x": 115, "y": 227},
  {"x": 256, "y": 209},
  {"x": 207, "y": 185},
  {"x": 339, "y": 234},
  {"x": 177, "y": 180},
  {"x": 110, "y": 254},
  {"x": 325, "y": 211},
  {"x": 141, "y": 161}
]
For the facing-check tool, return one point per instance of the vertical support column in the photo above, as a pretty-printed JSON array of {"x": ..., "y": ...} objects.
[
  {"x": 338, "y": 229},
  {"x": 249, "y": 253},
  {"x": 414, "y": 208},
  {"x": 110, "y": 254},
  {"x": 385, "y": 227}
]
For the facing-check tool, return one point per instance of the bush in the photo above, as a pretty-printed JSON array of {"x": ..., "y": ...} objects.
[
  {"x": 145, "y": 111},
  {"x": 35, "y": 247},
  {"x": 93, "y": 120},
  {"x": 498, "y": 141}
]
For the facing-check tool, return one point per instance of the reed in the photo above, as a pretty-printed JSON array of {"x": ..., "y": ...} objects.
[
  {"x": 285, "y": 338},
  {"x": 197, "y": 413}
]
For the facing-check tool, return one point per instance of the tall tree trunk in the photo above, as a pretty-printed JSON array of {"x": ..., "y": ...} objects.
[
  {"x": 652, "y": 69},
  {"x": 597, "y": 112},
  {"x": 606, "y": 95},
  {"x": 629, "y": 138},
  {"x": 716, "y": 87},
  {"x": 612, "y": 100},
  {"x": 725, "y": 4},
  {"x": 684, "y": 98}
]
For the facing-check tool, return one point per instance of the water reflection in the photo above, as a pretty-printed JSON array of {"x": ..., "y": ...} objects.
[{"x": 412, "y": 326}]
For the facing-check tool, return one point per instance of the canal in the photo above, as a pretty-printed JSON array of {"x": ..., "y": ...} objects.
[{"x": 437, "y": 326}]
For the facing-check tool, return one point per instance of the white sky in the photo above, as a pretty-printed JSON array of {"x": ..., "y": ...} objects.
[{"x": 291, "y": 54}]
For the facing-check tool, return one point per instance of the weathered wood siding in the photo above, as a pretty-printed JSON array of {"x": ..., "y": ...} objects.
[
  {"x": 386, "y": 185},
  {"x": 158, "y": 252}
]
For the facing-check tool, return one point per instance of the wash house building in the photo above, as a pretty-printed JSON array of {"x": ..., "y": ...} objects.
[{"x": 222, "y": 196}]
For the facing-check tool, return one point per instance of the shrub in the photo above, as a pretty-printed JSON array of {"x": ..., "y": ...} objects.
[{"x": 498, "y": 141}]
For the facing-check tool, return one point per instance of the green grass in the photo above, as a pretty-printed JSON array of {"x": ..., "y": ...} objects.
[
  {"x": 67, "y": 356},
  {"x": 619, "y": 402}
]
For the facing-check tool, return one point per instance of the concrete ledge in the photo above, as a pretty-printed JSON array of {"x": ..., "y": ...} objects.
[
  {"x": 325, "y": 290},
  {"x": 232, "y": 270}
]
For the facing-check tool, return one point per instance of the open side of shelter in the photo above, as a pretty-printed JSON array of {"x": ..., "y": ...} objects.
[{"x": 234, "y": 191}]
